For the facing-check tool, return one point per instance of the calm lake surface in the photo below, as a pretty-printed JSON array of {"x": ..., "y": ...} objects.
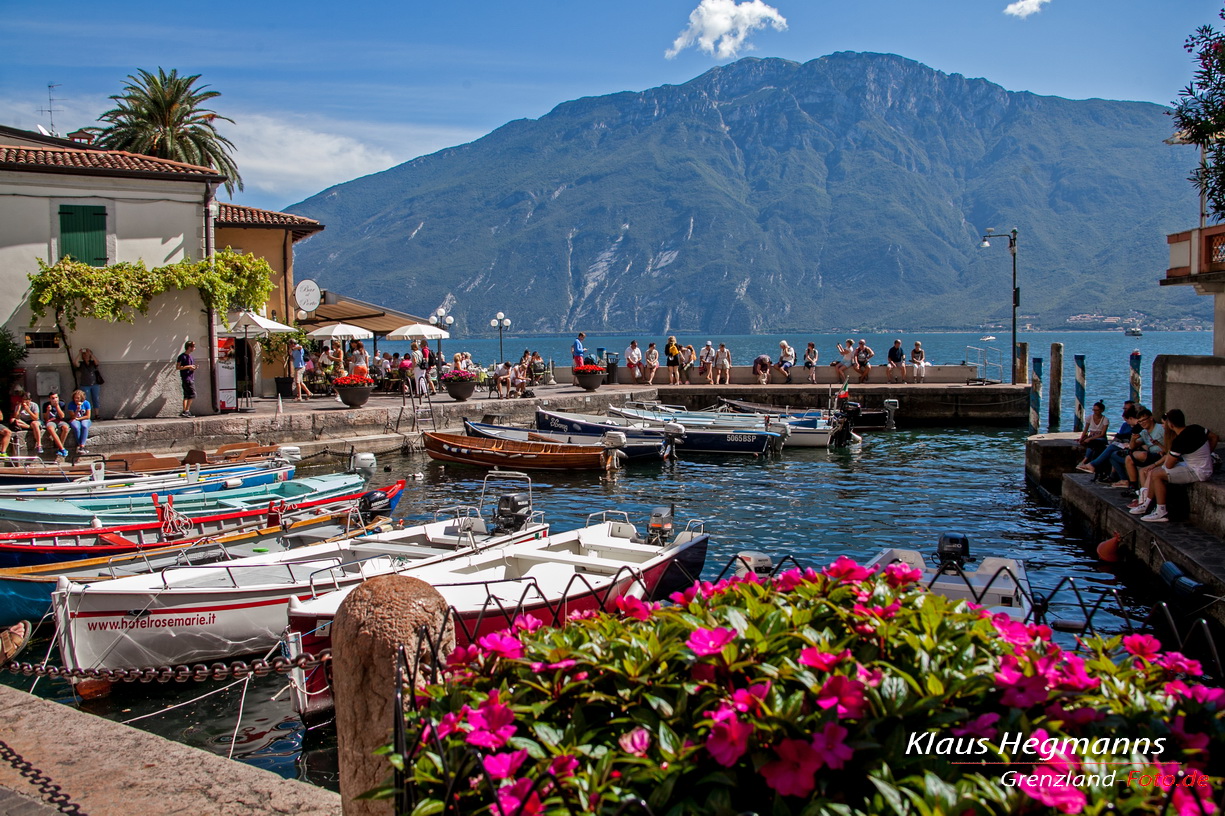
[{"x": 902, "y": 488}]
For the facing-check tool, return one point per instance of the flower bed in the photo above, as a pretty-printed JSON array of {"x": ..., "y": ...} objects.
[
  {"x": 342, "y": 382},
  {"x": 588, "y": 369},
  {"x": 834, "y": 692},
  {"x": 458, "y": 375}
]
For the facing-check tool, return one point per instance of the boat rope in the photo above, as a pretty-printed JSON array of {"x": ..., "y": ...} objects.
[
  {"x": 180, "y": 705},
  {"x": 46, "y": 788},
  {"x": 237, "y": 669}
]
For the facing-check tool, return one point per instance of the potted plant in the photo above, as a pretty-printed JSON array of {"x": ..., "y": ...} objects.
[
  {"x": 12, "y": 353},
  {"x": 460, "y": 384},
  {"x": 353, "y": 391},
  {"x": 590, "y": 377},
  {"x": 274, "y": 349}
]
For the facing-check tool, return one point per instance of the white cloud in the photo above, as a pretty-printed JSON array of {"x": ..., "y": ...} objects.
[
  {"x": 1024, "y": 8},
  {"x": 720, "y": 27}
]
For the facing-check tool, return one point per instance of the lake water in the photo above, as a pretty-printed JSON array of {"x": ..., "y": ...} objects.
[{"x": 902, "y": 488}]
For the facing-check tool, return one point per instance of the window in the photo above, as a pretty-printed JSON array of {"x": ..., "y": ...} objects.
[
  {"x": 42, "y": 340},
  {"x": 83, "y": 233}
]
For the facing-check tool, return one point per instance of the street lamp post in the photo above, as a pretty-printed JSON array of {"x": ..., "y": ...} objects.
[
  {"x": 1016, "y": 292},
  {"x": 500, "y": 322},
  {"x": 443, "y": 321}
]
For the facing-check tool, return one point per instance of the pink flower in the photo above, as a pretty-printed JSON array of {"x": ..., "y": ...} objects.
[
  {"x": 845, "y": 569},
  {"x": 789, "y": 580},
  {"x": 527, "y": 623},
  {"x": 462, "y": 656},
  {"x": 1066, "y": 798},
  {"x": 563, "y": 766},
  {"x": 1178, "y": 662},
  {"x": 1074, "y": 717},
  {"x": 882, "y": 612},
  {"x": 568, "y": 663},
  {"x": 635, "y": 742},
  {"x": 1191, "y": 742},
  {"x": 1012, "y": 631},
  {"x": 899, "y": 574},
  {"x": 792, "y": 773},
  {"x": 980, "y": 726},
  {"x": 821, "y": 660},
  {"x": 519, "y": 799},
  {"x": 750, "y": 699},
  {"x": 1214, "y": 697},
  {"x": 1145, "y": 647},
  {"x": 830, "y": 746},
  {"x": 728, "y": 738},
  {"x": 582, "y": 614},
  {"x": 451, "y": 721},
  {"x": 492, "y": 723},
  {"x": 1072, "y": 675},
  {"x": 869, "y": 677},
  {"x": 842, "y": 694},
  {"x": 1019, "y": 691},
  {"x": 705, "y": 642},
  {"x": 499, "y": 644},
  {"x": 505, "y": 765},
  {"x": 635, "y": 608}
]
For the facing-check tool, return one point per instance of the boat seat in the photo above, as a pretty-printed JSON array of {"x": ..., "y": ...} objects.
[
  {"x": 635, "y": 547},
  {"x": 584, "y": 562},
  {"x": 391, "y": 548},
  {"x": 115, "y": 539}
]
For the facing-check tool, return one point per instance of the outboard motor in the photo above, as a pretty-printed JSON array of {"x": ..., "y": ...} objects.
[
  {"x": 512, "y": 512},
  {"x": 755, "y": 562},
  {"x": 891, "y": 406},
  {"x": 659, "y": 528},
  {"x": 953, "y": 552},
  {"x": 363, "y": 464},
  {"x": 614, "y": 439},
  {"x": 373, "y": 504},
  {"x": 290, "y": 453}
]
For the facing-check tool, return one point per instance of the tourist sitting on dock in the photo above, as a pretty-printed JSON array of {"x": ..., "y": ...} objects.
[
  {"x": 1189, "y": 460},
  {"x": 633, "y": 362},
  {"x": 1119, "y": 443},
  {"x": 895, "y": 371},
  {"x": 863, "y": 353},
  {"x": 650, "y": 363},
  {"x": 55, "y": 422},
  {"x": 706, "y": 362},
  {"x": 810, "y": 361},
  {"x": 723, "y": 365},
  {"x": 761, "y": 369},
  {"x": 6, "y": 438},
  {"x": 918, "y": 359},
  {"x": 502, "y": 379},
  {"x": 25, "y": 418},
  {"x": 846, "y": 362},
  {"x": 80, "y": 417},
  {"x": 1145, "y": 451},
  {"x": 1094, "y": 436},
  {"x": 786, "y": 359}
]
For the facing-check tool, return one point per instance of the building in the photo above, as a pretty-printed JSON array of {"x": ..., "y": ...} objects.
[{"x": 1196, "y": 383}]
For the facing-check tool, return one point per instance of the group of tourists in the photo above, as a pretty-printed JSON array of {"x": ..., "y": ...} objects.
[
  {"x": 58, "y": 423},
  {"x": 1146, "y": 455}
]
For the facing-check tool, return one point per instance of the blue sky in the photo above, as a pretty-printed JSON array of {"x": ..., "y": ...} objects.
[{"x": 325, "y": 92}]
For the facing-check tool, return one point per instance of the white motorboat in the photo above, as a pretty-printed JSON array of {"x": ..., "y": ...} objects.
[
  {"x": 198, "y": 613},
  {"x": 550, "y": 578},
  {"x": 999, "y": 584},
  {"x": 812, "y": 431}
]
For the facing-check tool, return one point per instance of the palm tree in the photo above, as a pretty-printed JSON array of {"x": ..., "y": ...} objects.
[{"x": 161, "y": 115}]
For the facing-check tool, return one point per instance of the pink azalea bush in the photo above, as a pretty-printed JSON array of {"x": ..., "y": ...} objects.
[{"x": 804, "y": 695}]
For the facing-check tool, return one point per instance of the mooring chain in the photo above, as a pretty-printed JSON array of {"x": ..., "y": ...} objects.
[
  {"x": 46, "y": 788},
  {"x": 179, "y": 674}
]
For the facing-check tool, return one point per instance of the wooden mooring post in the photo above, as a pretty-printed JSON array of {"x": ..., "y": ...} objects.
[
  {"x": 1035, "y": 396},
  {"x": 1134, "y": 362},
  {"x": 1020, "y": 363},
  {"x": 1078, "y": 423},
  {"x": 1055, "y": 388}
]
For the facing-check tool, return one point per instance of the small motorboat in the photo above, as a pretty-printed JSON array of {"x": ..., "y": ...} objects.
[
  {"x": 814, "y": 431},
  {"x": 515, "y": 454},
  {"x": 1133, "y": 331},
  {"x": 640, "y": 449},
  {"x": 999, "y": 584},
  {"x": 17, "y": 471},
  {"x": 187, "y": 479},
  {"x": 688, "y": 440},
  {"x": 986, "y": 338},
  {"x": 189, "y": 614},
  {"x": 549, "y": 578},
  {"x": 865, "y": 420}
]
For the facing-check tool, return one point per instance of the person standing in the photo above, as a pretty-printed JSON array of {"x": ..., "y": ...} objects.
[
  {"x": 896, "y": 370},
  {"x": 89, "y": 378},
  {"x": 186, "y": 366},
  {"x": 723, "y": 365},
  {"x": 633, "y": 361},
  {"x": 706, "y": 362},
  {"x": 297, "y": 358},
  {"x": 689, "y": 356},
  {"x": 578, "y": 353},
  {"x": 810, "y": 361},
  {"x": 672, "y": 354}
]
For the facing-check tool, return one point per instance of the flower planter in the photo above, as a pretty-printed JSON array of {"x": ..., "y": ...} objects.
[
  {"x": 460, "y": 390},
  {"x": 590, "y": 382},
  {"x": 354, "y": 396}
]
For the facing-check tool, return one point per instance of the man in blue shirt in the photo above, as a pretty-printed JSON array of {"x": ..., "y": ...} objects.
[
  {"x": 578, "y": 352},
  {"x": 297, "y": 356}
]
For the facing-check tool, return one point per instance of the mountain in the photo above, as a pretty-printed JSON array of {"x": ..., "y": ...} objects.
[{"x": 769, "y": 195}]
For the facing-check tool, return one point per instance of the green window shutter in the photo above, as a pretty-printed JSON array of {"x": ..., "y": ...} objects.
[{"x": 83, "y": 233}]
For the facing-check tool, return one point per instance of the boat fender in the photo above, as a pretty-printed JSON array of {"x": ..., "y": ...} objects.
[
  {"x": 755, "y": 562},
  {"x": 1183, "y": 585},
  {"x": 232, "y": 483},
  {"x": 96, "y": 523},
  {"x": 1108, "y": 550}
]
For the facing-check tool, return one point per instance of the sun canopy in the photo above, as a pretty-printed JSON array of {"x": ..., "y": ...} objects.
[
  {"x": 341, "y": 331},
  {"x": 249, "y": 324},
  {"x": 419, "y": 331}
]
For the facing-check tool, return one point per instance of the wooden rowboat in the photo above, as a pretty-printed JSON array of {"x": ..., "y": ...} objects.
[{"x": 515, "y": 454}]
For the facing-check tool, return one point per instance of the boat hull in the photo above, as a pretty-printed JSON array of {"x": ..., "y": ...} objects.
[
  {"x": 513, "y": 454},
  {"x": 692, "y": 441},
  {"x": 638, "y": 449}
]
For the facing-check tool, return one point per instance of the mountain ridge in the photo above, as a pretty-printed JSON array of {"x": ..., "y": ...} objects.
[{"x": 772, "y": 195}]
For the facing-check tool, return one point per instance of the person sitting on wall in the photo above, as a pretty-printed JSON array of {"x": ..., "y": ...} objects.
[
  {"x": 502, "y": 378},
  {"x": 633, "y": 362},
  {"x": 1119, "y": 444},
  {"x": 1189, "y": 460},
  {"x": 1093, "y": 437},
  {"x": 918, "y": 361},
  {"x": 1144, "y": 453},
  {"x": 25, "y": 418},
  {"x": 706, "y": 362},
  {"x": 761, "y": 369},
  {"x": 895, "y": 371},
  {"x": 863, "y": 353},
  {"x": 845, "y": 363},
  {"x": 786, "y": 359},
  {"x": 55, "y": 422}
]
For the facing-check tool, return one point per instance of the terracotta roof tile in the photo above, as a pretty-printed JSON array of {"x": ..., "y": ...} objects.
[
  {"x": 234, "y": 215},
  {"x": 99, "y": 162}
]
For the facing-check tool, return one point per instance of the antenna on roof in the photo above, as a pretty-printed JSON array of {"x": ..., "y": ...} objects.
[{"x": 50, "y": 110}]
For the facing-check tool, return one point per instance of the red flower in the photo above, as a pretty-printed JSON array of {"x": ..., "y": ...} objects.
[
  {"x": 505, "y": 765},
  {"x": 588, "y": 369},
  {"x": 1178, "y": 662},
  {"x": 749, "y": 699},
  {"x": 830, "y": 745},
  {"x": 563, "y": 766},
  {"x": 1145, "y": 647},
  {"x": 900, "y": 575},
  {"x": 845, "y": 569},
  {"x": 352, "y": 380},
  {"x": 527, "y": 623},
  {"x": 842, "y": 694},
  {"x": 705, "y": 642},
  {"x": 822, "y": 660},
  {"x": 792, "y": 773},
  {"x": 518, "y": 799},
  {"x": 728, "y": 738},
  {"x": 635, "y": 608},
  {"x": 492, "y": 723}
]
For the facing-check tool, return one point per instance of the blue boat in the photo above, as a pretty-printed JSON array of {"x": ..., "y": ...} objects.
[
  {"x": 689, "y": 440},
  {"x": 640, "y": 448},
  {"x": 189, "y": 480}
]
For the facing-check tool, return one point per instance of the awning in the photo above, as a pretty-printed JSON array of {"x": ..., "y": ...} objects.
[{"x": 336, "y": 308}]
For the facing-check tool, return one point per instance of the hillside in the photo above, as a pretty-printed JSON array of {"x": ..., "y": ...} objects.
[{"x": 768, "y": 195}]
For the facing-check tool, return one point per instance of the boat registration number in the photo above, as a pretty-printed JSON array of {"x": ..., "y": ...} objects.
[{"x": 740, "y": 437}]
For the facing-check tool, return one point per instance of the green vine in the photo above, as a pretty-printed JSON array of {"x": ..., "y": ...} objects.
[{"x": 70, "y": 289}]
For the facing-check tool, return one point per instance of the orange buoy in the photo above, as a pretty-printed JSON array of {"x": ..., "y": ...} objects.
[{"x": 1108, "y": 550}]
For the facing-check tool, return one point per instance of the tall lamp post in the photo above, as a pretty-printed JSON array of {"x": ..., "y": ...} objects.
[
  {"x": 501, "y": 322},
  {"x": 1016, "y": 292},
  {"x": 443, "y": 321}
]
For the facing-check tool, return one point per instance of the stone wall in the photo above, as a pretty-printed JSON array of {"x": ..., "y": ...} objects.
[{"x": 1196, "y": 384}]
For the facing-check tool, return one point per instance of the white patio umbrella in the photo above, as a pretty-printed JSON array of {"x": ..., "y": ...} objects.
[
  {"x": 341, "y": 331},
  {"x": 251, "y": 323},
  {"x": 416, "y": 331}
]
